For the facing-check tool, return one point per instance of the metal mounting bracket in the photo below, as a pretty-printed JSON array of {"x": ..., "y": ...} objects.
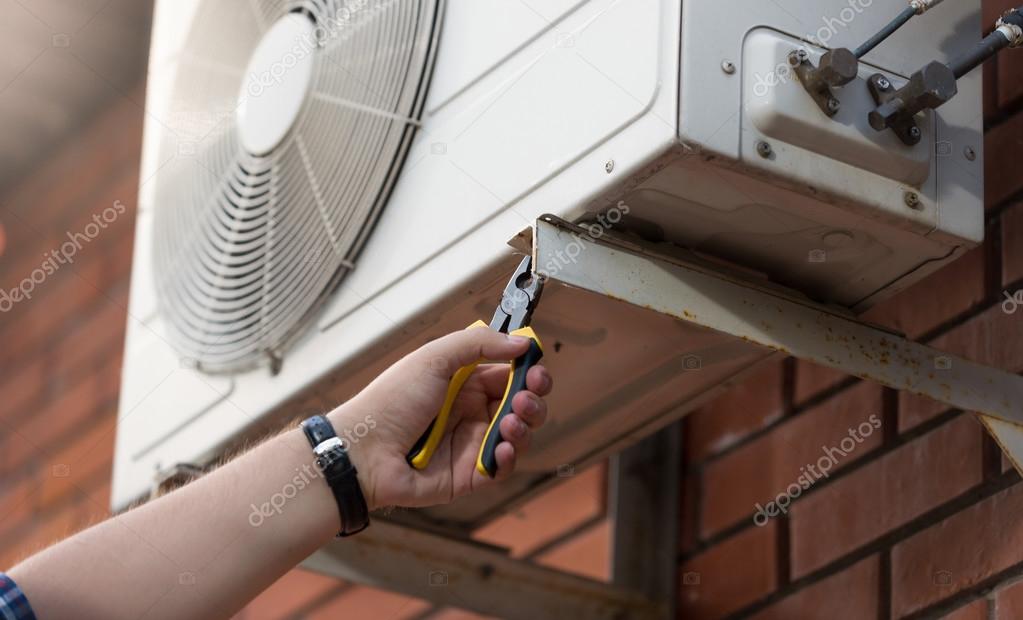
[
  {"x": 471, "y": 575},
  {"x": 778, "y": 319},
  {"x": 904, "y": 126}
]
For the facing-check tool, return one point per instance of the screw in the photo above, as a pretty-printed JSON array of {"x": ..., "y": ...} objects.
[
  {"x": 912, "y": 200},
  {"x": 883, "y": 83},
  {"x": 969, "y": 153},
  {"x": 728, "y": 67},
  {"x": 609, "y": 166},
  {"x": 802, "y": 55},
  {"x": 914, "y": 132},
  {"x": 834, "y": 105},
  {"x": 764, "y": 149}
]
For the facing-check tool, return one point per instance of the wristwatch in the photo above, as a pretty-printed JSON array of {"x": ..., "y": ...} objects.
[{"x": 341, "y": 475}]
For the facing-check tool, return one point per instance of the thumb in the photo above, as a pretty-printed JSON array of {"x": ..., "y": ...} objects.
[{"x": 475, "y": 344}]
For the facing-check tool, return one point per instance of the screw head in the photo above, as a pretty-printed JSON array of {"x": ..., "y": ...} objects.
[
  {"x": 834, "y": 105},
  {"x": 728, "y": 67},
  {"x": 883, "y": 83},
  {"x": 912, "y": 200},
  {"x": 969, "y": 153},
  {"x": 914, "y": 132},
  {"x": 764, "y": 149},
  {"x": 609, "y": 166}
]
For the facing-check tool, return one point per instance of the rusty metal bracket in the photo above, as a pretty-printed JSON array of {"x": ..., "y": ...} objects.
[
  {"x": 471, "y": 575},
  {"x": 837, "y": 68},
  {"x": 779, "y": 320},
  {"x": 904, "y": 126}
]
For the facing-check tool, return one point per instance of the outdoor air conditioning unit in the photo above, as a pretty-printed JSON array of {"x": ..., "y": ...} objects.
[{"x": 327, "y": 184}]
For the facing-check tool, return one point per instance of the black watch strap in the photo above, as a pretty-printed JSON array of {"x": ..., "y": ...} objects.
[{"x": 340, "y": 474}]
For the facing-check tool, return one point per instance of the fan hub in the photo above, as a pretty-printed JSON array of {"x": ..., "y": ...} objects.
[{"x": 276, "y": 82}]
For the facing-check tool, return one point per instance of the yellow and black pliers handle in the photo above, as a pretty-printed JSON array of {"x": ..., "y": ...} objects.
[{"x": 512, "y": 317}]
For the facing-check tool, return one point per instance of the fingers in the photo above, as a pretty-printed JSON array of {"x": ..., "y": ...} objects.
[
  {"x": 539, "y": 381},
  {"x": 475, "y": 344},
  {"x": 505, "y": 455}
]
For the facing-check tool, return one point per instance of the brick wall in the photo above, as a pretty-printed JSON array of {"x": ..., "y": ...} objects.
[
  {"x": 60, "y": 370},
  {"x": 921, "y": 518}
]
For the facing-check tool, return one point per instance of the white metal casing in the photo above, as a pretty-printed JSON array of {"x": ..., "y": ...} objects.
[{"x": 567, "y": 107}]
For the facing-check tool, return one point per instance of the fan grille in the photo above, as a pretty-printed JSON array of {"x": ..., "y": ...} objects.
[{"x": 247, "y": 246}]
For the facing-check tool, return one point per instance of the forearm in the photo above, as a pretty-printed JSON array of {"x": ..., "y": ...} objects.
[{"x": 202, "y": 551}]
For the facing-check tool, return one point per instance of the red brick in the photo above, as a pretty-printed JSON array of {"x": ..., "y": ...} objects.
[
  {"x": 993, "y": 9},
  {"x": 745, "y": 408},
  {"x": 71, "y": 469},
  {"x": 957, "y": 553},
  {"x": 812, "y": 379},
  {"x": 1009, "y": 601},
  {"x": 24, "y": 385},
  {"x": 1003, "y": 145},
  {"x": 993, "y": 338},
  {"x": 289, "y": 595},
  {"x": 990, "y": 90},
  {"x": 977, "y": 610},
  {"x": 72, "y": 410},
  {"x": 587, "y": 554},
  {"x": 941, "y": 296},
  {"x": 1010, "y": 79},
  {"x": 459, "y": 614},
  {"x": 566, "y": 506},
  {"x": 915, "y": 409},
  {"x": 885, "y": 494},
  {"x": 731, "y": 575},
  {"x": 759, "y": 471},
  {"x": 50, "y": 528},
  {"x": 852, "y": 594},
  {"x": 362, "y": 602},
  {"x": 1012, "y": 246},
  {"x": 17, "y": 503}
]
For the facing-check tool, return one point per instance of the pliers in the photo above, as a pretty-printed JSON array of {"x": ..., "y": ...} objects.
[{"x": 512, "y": 317}]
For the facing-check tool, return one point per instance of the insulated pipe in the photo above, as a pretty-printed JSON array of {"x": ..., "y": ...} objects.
[
  {"x": 1008, "y": 32},
  {"x": 916, "y": 7}
]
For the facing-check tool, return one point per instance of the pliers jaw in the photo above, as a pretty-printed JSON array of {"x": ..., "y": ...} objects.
[{"x": 519, "y": 298}]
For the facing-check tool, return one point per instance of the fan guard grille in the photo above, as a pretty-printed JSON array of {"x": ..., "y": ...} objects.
[{"x": 247, "y": 246}]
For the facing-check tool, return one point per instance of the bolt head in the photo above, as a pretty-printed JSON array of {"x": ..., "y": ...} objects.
[
  {"x": 912, "y": 200},
  {"x": 883, "y": 83},
  {"x": 839, "y": 67},
  {"x": 764, "y": 149},
  {"x": 914, "y": 132},
  {"x": 609, "y": 166},
  {"x": 728, "y": 67},
  {"x": 969, "y": 153},
  {"x": 834, "y": 105}
]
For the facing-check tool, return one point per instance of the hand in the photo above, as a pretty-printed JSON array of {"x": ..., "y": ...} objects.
[{"x": 400, "y": 404}]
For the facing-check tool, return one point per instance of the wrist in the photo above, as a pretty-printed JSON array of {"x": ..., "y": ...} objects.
[{"x": 354, "y": 429}]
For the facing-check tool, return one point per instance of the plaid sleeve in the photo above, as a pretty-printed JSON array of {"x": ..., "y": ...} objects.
[{"x": 13, "y": 604}]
